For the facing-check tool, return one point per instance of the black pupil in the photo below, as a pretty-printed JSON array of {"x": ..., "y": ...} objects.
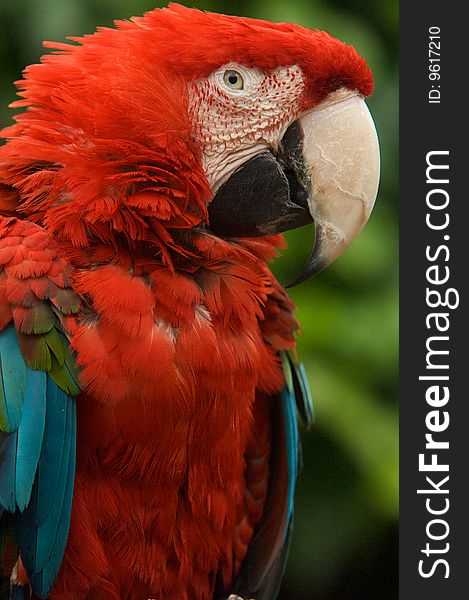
[{"x": 233, "y": 79}]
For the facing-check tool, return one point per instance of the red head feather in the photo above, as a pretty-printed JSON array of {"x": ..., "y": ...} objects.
[{"x": 107, "y": 130}]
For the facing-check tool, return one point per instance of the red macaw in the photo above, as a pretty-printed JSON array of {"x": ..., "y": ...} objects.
[{"x": 149, "y": 443}]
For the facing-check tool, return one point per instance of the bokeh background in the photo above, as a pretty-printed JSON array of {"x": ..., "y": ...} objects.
[{"x": 345, "y": 540}]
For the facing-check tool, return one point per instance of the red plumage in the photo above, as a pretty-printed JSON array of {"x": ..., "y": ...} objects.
[{"x": 178, "y": 331}]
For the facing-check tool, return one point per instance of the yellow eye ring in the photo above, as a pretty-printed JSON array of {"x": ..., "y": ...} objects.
[{"x": 233, "y": 80}]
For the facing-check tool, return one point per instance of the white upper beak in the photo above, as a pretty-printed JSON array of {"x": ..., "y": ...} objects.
[{"x": 341, "y": 153}]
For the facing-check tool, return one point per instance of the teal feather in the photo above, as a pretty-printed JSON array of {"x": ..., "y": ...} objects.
[
  {"x": 268, "y": 550},
  {"x": 3, "y": 535},
  {"x": 47, "y": 530},
  {"x": 30, "y": 435},
  {"x": 43, "y": 531},
  {"x": 303, "y": 395},
  {"x": 295, "y": 376},
  {"x": 18, "y": 592},
  {"x": 44, "y": 581},
  {"x": 13, "y": 380},
  {"x": 37, "y": 457},
  {"x": 271, "y": 587},
  {"x": 52, "y": 451},
  {"x": 8, "y": 444},
  {"x": 292, "y": 446},
  {"x": 265, "y": 562}
]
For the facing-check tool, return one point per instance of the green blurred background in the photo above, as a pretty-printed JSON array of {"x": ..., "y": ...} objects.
[{"x": 345, "y": 540}]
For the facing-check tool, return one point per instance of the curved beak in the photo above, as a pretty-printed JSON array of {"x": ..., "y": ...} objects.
[
  {"x": 326, "y": 170},
  {"x": 341, "y": 153}
]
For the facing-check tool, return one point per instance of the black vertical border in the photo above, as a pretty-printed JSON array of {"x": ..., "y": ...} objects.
[{"x": 425, "y": 127}]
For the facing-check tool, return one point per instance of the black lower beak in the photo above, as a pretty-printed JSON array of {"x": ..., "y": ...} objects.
[
  {"x": 326, "y": 169},
  {"x": 266, "y": 195}
]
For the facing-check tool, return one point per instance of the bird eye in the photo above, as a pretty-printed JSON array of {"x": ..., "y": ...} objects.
[{"x": 233, "y": 80}]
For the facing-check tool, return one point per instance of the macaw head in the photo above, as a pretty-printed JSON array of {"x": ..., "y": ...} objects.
[{"x": 182, "y": 119}]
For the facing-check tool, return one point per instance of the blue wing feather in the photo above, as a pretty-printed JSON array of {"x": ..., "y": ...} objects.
[
  {"x": 263, "y": 568},
  {"x": 13, "y": 379},
  {"x": 18, "y": 593},
  {"x": 43, "y": 581},
  {"x": 30, "y": 435},
  {"x": 301, "y": 389},
  {"x": 52, "y": 451},
  {"x": 43, "y": 527},
  {"x": 292, "y": 445},
  {"x": 8, "y": 444},
  {"x": 37, "y": 462}
]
